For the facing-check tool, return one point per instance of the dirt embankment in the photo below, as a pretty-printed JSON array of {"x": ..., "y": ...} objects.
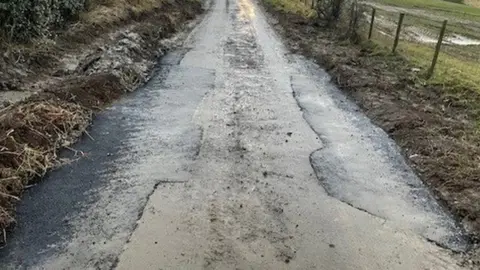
[
  {"x": 435, "y": 125},
  {"x": 63, "y": 82}
]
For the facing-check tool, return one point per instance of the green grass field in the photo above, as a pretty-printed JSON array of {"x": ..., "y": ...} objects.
[
  {"x": 457, "y": 67},
  {"x": 440, "y": 6},
  {"x": 450, "y": 71},
  {"x": 455, "y": 73}
]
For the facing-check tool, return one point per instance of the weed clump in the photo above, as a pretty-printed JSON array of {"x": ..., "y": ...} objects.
[
  {"x": 31, "y": 134},
  {"x": 24, "y": 19}
]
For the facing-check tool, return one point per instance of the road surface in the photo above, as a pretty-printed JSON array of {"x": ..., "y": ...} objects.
[{"x": 236, "y": 155}]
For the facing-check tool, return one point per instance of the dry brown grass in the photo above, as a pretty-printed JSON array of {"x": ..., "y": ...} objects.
[
  {"x": 473, "y": 3},
  {"x": 107, "y": 12},
  {"x": 31, "y": 134}
]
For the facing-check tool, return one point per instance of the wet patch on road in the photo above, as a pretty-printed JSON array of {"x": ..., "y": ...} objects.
[
  {"x": 361, "y": 166},
  {"x": 115, "y": 176}
]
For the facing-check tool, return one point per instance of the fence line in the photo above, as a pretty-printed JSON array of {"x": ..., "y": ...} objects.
[
  {"x": 437, "y": 50},
  {"x": 397, "y": 37},
  {"x": 372, "y": 20},
  {"x": 397, "y": 34}
]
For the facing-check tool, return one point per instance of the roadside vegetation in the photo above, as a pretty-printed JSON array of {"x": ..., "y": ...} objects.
[
  {"x": 472, "y": 3},
  {"x": 67, "y": 60},
  {"x": 22, "y": 20},
  {"x": 455, "y": 73},
  {"x": 454, "y": 8},
  {"x": 434, "y": 121},
  {"x": 295, "y": 7},
  {"x": 458, "y": 63}
]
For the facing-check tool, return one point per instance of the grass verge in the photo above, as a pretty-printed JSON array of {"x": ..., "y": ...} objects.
[{"x": 453, "y": 73}]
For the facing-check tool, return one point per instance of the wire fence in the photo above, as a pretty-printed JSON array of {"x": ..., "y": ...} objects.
[
  {"x": 422, "y": 36},
  {"x": 406, "y": 28},
  {"x": 446, "y": 49}
]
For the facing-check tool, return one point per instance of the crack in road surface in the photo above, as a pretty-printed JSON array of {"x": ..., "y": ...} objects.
[{"x": 216, "y": 165}]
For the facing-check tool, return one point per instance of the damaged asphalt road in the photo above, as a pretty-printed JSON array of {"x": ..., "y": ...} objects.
[{"x": 236, "y": 155}]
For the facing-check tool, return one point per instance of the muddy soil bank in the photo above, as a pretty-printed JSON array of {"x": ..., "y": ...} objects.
[
  {"x": 55, "y": 97},
  {"x": 435, "y": 125}
]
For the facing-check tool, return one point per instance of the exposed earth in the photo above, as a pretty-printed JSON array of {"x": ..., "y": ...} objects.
[{"x": 236, "y": 155}]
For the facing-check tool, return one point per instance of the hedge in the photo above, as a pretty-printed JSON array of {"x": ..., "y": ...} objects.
[{"x": 24, "y": 19}]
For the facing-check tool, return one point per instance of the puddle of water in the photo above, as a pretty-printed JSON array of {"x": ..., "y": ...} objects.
[
  {"x": 462, "y": 40},
  {"x": 383, "y": 33},
  {"x": 455, "y": 39},
  {"x": 423, "y": 36},
  {"x": 418, "y": 35},
  {"x": 384, "y": 22}
]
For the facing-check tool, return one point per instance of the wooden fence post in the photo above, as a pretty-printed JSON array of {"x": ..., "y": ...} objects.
[
  {"x": 371, "y": 24},
  {"x": 397, "y": 35},
  {"x": 437, "y": 50}
]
